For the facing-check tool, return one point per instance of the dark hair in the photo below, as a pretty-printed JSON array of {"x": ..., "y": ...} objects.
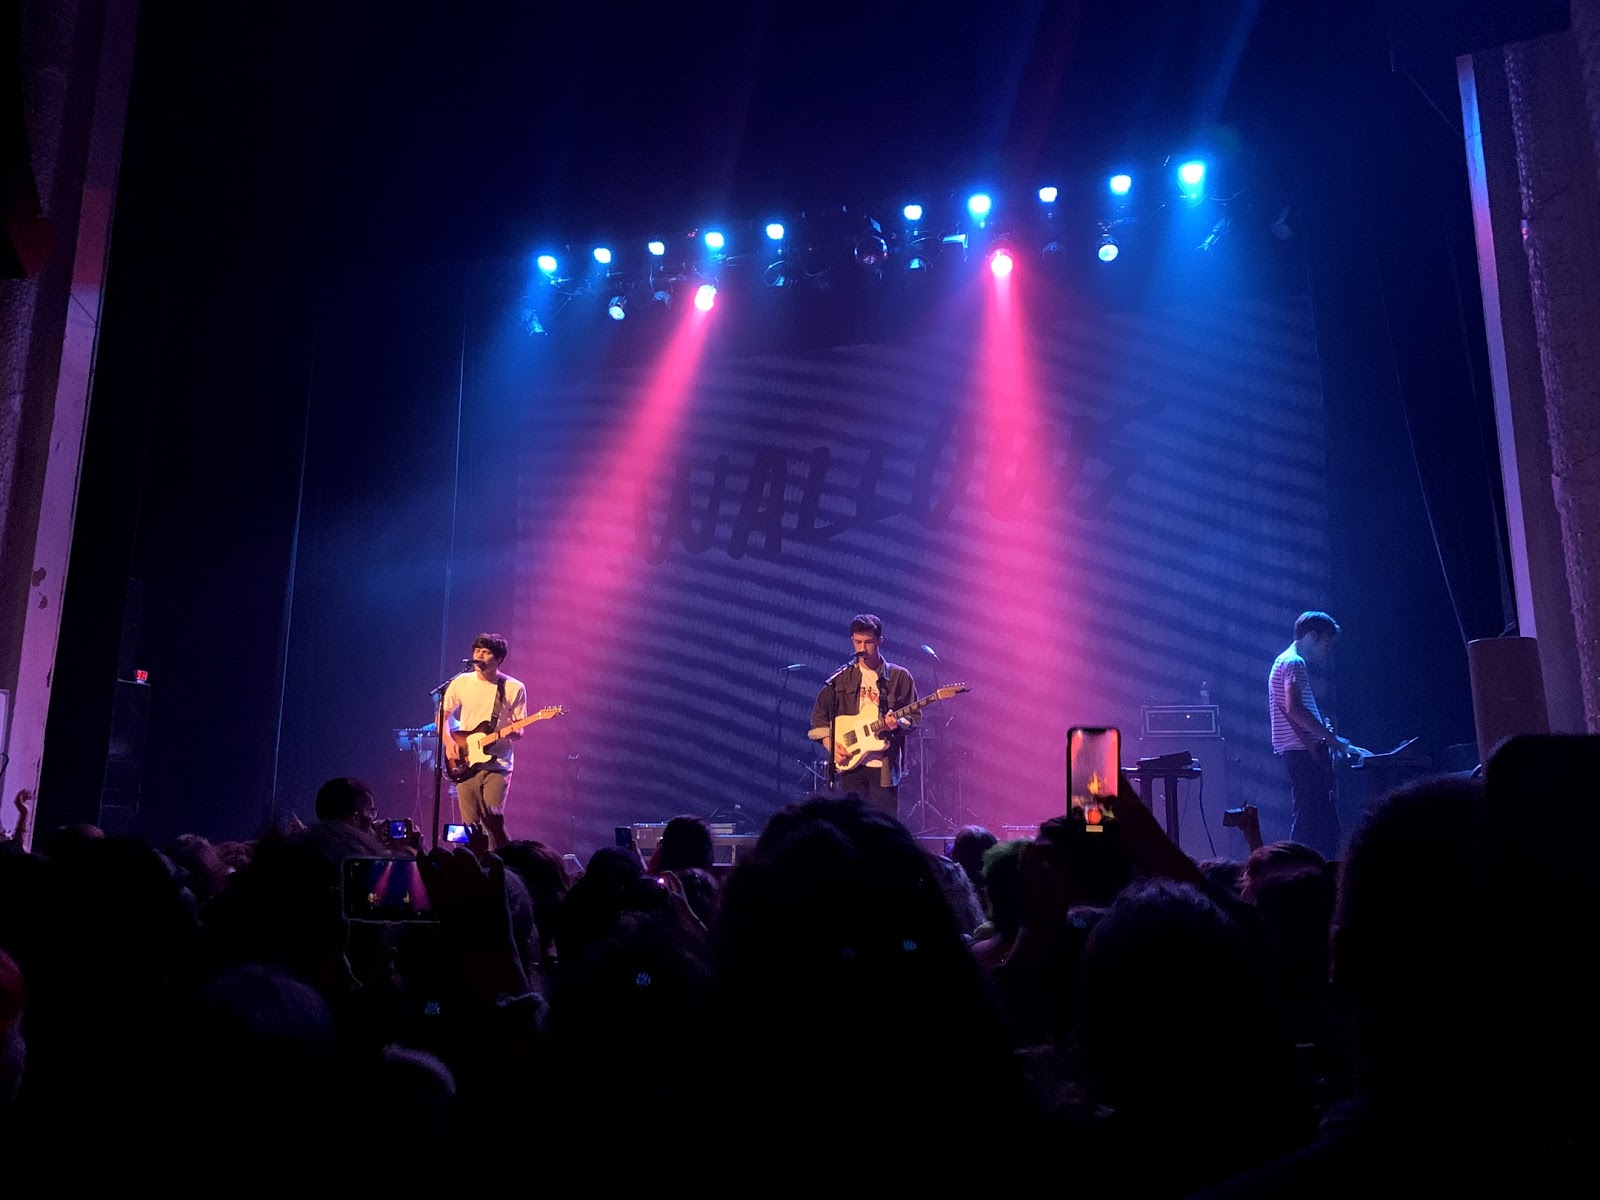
[
  {"x": 685, "y": 843},
  {"x": 341, "y": 799},
  {"x": 494, "y": 643},
  {"x": 1315, "y": 622},
  {"x": 1002, "y": 885},
  {"x": 867, "y": 623}
]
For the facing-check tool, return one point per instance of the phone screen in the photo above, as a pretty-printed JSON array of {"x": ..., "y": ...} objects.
[
  {"x": 385, "y": 890},
  {"x": 1094, "y": 760},
  {"x": 400, "y": 830},
  {"x": 456, "y": 834}
]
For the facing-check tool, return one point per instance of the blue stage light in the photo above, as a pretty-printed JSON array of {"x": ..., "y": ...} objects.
[
  {"x": 979, "y": 205},
  {"x": 1048, "y": 194},
  {"x": 1108, "y": 250},
  {"x": 912, "y": 212},
  {"x": 715, "y": 240},
  {"x": 1192, "y": 174},
  {"x": 547, "y": 263},
  {"x": 1121, "y": 185},
  {"x": 657, "y": 248},
  {"x": 602, "y": 255},
  {"x": 618, "y": 308},
  {"x": 775, "y": 231},
  {"x": 705, "y": 296}
]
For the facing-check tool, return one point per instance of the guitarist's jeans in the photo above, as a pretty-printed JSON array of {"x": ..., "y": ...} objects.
[
  {"x": 1316, "y": 821},
  {"x": 482, "y": 797},
  {"x": 867, "y": 782}
]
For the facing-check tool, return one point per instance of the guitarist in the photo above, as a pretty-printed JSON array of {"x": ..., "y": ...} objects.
[
  {"x": 868, "y": 685},
  {"x": 1303, "y": 738},
  {"x": 486, "y": 694}
]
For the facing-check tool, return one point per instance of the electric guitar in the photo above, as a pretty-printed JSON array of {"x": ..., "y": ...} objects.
[
  {"x": 861, "y": 736},
  {"x": 473, "y": 757}
]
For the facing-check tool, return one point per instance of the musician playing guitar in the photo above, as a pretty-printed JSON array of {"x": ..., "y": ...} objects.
[
  {"x": 868, "y": 685},
  {"x": 483, "y": 774},
  {"x": 1303, "y": 738}
]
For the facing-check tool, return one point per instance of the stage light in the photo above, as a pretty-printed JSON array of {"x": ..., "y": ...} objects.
[
  {"x": 979, "y": 205},
  {"x": 775, "y": 231},
  {"x": 872, "y": 249},
  {"x": 912, "y": 212},
  {"x": 1192, "y": 174},
  {"x": 1121, "y": 185},
  {"x": 1109, "y": 249},
  {"x": 916, "y": 263},
  {"x": 1047, "y": 194},
  {"x": 602, "y": 255},
  {"x": 662, "y": 296},
  {"x": 705, "y": 296},
  {"x": 547, "y": 263},
  {"x": 657, "y": 248},
  {"x": 715, "y": 240},
  {"x": 1001, "y": 263},
  {"x": 618, "y": 308}
]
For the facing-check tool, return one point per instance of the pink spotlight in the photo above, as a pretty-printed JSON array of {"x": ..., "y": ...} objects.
[
  {"x": 705, "y": 296},
  {"x": 1001, "y": 262}
]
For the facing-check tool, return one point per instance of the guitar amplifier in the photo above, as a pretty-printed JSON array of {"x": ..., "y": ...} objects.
[
  {"x": 1171, "y": 730},
  {"x": 1179, "y": 720}
]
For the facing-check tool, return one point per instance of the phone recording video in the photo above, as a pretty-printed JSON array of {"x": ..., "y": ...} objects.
[
  {"x": 399, "y": 830},
  {"x": 1094, "y": 762},
  {"x": 385, "y": 890},
  {"x": 457, "y": 835}
]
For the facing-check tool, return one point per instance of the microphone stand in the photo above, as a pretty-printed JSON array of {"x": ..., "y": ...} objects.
[
  {"x": 833, "y": 727},
  {"x": 439, "y": 720}
]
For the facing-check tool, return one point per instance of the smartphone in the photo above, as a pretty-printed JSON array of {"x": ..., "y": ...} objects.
[
  {"x": 399, "y": 830},
  {"x": 385, "y": 890},
  {"x": 623, "y": 834},
  {"x": 456, "y": 835},
  {"x": 1094, "y": 764}
]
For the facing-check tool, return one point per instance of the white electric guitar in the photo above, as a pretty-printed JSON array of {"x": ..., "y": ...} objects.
[
  {"x": 472, "y": 757},
  {"x": 861, "y": 736}
]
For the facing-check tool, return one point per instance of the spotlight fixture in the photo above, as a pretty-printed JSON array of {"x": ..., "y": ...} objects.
[
  {"x": 775, "y": 231},
  {"x": 1108, "y": 249},
  {"x": 657, "y": 248},
  {"x": 715, "y": 240},
  {"x": 1121, "y": 185},
  {"x": 705, "y": 296},
  {"x": 912, "y": 213},
  {"x": 602, "y": 255},
  {"x": 1048, "y": 194},
  {"x": 979, "y": 204},
  {"x": 617, "y": 309},
  {"x": 1001, "y": 263},
  {"x": 1192, "y": 181},
  {"x": 872, "y": 250},
  {"x": 547, "y": 263}
]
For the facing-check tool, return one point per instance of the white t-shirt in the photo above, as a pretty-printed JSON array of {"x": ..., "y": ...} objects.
[
  {"x": 475, "y": 697},
  {"x": 868, "y": 707}
]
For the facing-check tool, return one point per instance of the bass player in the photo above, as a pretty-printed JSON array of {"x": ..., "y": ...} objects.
[{"x": 868, "y": 686}]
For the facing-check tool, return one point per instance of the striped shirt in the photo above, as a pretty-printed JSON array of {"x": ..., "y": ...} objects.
[{"x": 1289, "y": 668}]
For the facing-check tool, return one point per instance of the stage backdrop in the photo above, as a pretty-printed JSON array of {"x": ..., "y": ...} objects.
[{"x": 1078, "y": 521}]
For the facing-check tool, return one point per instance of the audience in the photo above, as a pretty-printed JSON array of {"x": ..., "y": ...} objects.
[{"x": 1421, "y": 1018}]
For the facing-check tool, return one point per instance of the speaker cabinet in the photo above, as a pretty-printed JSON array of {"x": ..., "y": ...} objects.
[{"x": 1507, "y": 690}]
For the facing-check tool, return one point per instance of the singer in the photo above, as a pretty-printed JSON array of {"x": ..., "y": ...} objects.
[
  {"x": 863, "y": 691},
  {"x": 483, "y": 699}
]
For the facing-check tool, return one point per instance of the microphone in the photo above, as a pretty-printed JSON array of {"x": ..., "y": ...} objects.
[
  {"x": 793, "y": 667},
  {"x": 928, "y": 650}
]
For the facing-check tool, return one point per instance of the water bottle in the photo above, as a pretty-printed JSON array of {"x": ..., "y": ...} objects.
[{"x": 1205, "y": 691}]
